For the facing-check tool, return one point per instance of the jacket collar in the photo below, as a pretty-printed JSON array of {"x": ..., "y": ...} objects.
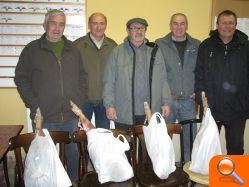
[
  {"x": 168, "y": 38},
  {"x": 89, "y": 41},
  {"x": 127, "y": 41},
  {"x": 43, "y": 43},
  {"x": 238, "y": 38},
  {"x": 168, "y": 41}
]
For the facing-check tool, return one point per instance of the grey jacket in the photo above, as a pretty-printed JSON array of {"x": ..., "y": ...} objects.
[
  {"x": 180, "y": 79},
  {"x": 118, "y": 81}
]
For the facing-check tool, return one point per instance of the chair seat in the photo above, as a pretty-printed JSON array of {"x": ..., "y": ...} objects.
[
  {"x": 91, "y": 179},
  {"x": 196, "y": 177},
  {"x": 147, "y": 177}
]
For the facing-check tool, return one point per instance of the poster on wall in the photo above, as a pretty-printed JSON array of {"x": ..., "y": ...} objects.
[{"x": 21, "y": 22}]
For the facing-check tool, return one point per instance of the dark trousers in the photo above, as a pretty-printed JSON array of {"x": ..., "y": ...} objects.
[
  {"x": 101, "y": 121},
  {"x": 138, "y": 120},
  {"x": 234, "y": 135}
]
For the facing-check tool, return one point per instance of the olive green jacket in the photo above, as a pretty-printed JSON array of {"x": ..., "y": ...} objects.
[{"x": 94, "y": 61}]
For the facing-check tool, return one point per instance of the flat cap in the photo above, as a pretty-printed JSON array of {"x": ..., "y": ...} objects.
[{"x": 137, "y": 20}]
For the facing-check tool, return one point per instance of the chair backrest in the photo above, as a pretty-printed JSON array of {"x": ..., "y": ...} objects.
[
  {"x": 80, "y": 137},
  {"x": 137, "y": 134},
  {"x": 23, "y": 141},
  {"x": 191, "y": 123}
]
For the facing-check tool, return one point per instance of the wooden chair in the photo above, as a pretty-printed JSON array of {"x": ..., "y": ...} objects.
[
  {"x": 90, "y": 178},
  {"x": 24, "y": 141},
  {"x": 194, "y": 177},
  {"x": 144, "y": 171}
]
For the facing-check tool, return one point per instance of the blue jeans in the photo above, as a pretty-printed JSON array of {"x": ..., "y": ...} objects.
[
  {"x": 184, "y": 109},
  {"x": 72, "y": 153},
  {"x": 101, "y": 121}
]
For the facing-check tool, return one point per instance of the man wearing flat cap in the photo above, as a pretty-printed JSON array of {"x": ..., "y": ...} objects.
[{"x": 135, "y": 73}]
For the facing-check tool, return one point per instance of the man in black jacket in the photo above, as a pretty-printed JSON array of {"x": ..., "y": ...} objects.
[
  {"x": 48, "y": 75},
  {"x": 222, "y": 72}
]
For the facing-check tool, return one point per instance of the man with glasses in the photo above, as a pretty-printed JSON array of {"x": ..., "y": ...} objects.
[
  {"x": 222, "y": 71},
  {"x": 179, "y": 50},
  {"x": 135, "y": 73},
  {"x": 48, "y": 75},
  {"x": 95, "y": 49}
]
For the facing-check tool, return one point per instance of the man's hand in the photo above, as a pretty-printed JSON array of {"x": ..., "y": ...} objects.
[
  {"x": 38, "y": 122},
  {"x": 204, "y": 101},
  {"x": 165, "y": 111},
  {"x": 111, "y": 113},
  {"x": 192, "y": 96}
]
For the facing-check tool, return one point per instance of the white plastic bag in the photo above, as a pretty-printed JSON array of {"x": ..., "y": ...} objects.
[
  {"x": 108, "y": 156},
  {"x": 43, "y": 166},
  {"x": 159, "y": 146},
  {"x": 206, "y": 145}
]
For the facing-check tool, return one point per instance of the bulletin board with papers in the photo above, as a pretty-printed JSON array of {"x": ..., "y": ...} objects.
[{"x": 22, "y": 22}]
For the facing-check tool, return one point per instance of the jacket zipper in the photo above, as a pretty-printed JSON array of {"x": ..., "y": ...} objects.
[
  {"x": 62, "y": 94},
  {"x": 132, "y": 84}
]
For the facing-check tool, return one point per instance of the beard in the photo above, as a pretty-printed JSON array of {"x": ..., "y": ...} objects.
[{"x": 139, "y": 35}]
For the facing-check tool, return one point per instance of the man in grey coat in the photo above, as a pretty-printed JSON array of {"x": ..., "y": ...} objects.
[
  {"x": 179, "y": 50},
  {"x": 132, "y": 76}
]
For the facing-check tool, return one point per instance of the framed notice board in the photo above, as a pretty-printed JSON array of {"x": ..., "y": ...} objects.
[{"x": 21, "y": 22}]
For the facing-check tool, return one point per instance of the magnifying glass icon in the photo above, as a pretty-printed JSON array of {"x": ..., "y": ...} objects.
[{"x": 226, "y": 167}]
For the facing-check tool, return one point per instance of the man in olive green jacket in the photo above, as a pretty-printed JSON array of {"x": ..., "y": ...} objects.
[{"x": 95, "y": 48}]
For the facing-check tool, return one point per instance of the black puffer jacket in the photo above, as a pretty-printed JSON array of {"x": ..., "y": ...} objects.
[{"x": 222, "y": 71}]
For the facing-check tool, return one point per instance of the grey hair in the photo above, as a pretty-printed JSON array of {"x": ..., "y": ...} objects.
[
  {"x": 178, "y": 14},
  {"x": 53, "y": 12}
]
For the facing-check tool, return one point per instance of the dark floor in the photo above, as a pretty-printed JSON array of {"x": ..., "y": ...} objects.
[
  {"x": 2, "y": 180},
  {"x": 11, "y": 166}
]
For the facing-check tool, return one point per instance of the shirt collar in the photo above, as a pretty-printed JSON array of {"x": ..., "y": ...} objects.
[
  {"x": 96, "y": 42},
  {"x": 177, "y": 40}
]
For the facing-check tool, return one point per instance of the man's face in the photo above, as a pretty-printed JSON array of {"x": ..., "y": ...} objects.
[
  {"x": 178, "y": 26},
  {"x": 226, "y": 27},
  {"x": 54, "y": 27},
  {"x": 136, "y": 31},
  {"x": 97, "y": 26}
]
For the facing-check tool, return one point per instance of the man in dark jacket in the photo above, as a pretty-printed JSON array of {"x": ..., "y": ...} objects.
[
  {"x": 222, "y": 72},
  {"x": 48, "y": 75}
]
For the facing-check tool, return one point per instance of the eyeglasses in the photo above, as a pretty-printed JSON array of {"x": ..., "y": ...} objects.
[{"x": 137, "y": 28}]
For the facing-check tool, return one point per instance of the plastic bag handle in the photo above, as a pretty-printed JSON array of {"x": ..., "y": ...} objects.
[
  {"x": 157, "y": 114},
  {"x": 125, "y": 142}
]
